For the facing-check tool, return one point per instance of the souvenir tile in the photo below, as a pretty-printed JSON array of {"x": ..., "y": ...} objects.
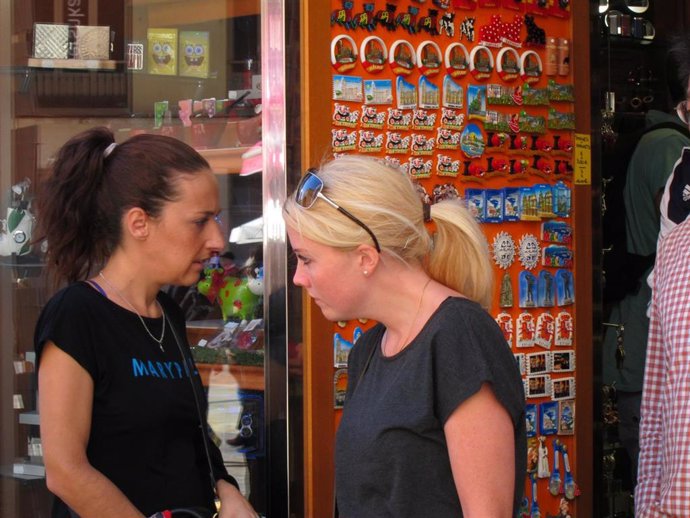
[
  {"x": 396, "y": 143},
  {"x": 406, "y": 94},
  {"x": 560, "y": 120},
  {"x": 456, "y": 60},
  {"x": 339, "y": 388},
  {"x": 476, "y": 102},
  {"x": 557, "y": 256},
  {"x": 429, "y": 95},
  {"x": 401, "y": 57},
  {"x": 543, "y": 466},
  {"x": 556, "y": 232},
  {"x": 343, "y": 116},
  {"x": 378, "y": 91},
  {"x": 51, "y": 41},
  {"x": 93, "y": 42},
  {"x": 422, "y": 120},
  {"x": 506, "y": 295},
  {"x": 451, "y": 119},
  {"x": 505, "y": 322},
  {"x": 398, "y": 120},
  {"x": 370, "y": 141},
  {"x": 529, "y": 251},
  {"x": 429, "y": 58},
  {"x": 545, "y": 289},
  {"x": 342, "y": 140},
  {"x": 453, "y": 94},
  {"x": 520, "y": 362},
  {"x": 563, "y": 361},
  {"x": 563, "y": 388},
  {"x": 472, "y": 141},
  {"x": 371, "y": 118},
  {"x": 447, "y": 139},
  {"x": 564, "y": 330},
  {"x": 445, "y": 191},
  {"x": 548, "y": 418},
  {"x": 343, "y": 53},
  {"x": 538, "y": 386},
  {"x": 565, "y": 289},
  {"x": 419, "y": 167},
  {"x": 446, "y": 166},
  {"x": 525, "y": 330},
  {"x": 538, "y": 363},
  {"x": 566, "y": 421},
  {"x": 373, "y": 52},
  {"x": 347, "y": 88},
  {"x": 476, "y": 203},
  {"x": 494, "y": 205},
  {"x": 531, "y": 419},
  {"x": 543, "y": 336}
]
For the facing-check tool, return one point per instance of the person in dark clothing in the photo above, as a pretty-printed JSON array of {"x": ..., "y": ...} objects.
[{"x": 121, "y": 401}]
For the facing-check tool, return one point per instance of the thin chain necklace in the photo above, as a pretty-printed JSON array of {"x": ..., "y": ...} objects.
[
  {"x": 414, "y": 321},
  {"x": 159, "y": 341}
]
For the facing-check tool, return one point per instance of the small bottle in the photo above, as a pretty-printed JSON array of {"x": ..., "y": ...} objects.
[
  {"x": 551, "y": 66},
  {"x": 563, "y": 57}
]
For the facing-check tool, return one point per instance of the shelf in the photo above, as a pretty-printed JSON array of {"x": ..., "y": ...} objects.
[{"x": 73, "y": 64}]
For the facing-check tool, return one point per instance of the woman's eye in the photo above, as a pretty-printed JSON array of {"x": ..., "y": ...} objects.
[{"x": 201, "y": 223}]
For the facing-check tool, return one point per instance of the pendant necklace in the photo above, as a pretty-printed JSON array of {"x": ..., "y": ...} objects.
[
  {"x": 414, "y": 320},
  {"x": 159, "y": 341}
]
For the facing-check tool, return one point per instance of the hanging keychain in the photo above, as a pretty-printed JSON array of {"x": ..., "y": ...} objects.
[
  {"x": 570, "y": 487},
  {"x": 535, "y": 513},
  {"x": 555, "y": 480}
]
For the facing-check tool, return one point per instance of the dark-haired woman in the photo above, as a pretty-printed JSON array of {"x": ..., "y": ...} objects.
[{"x": 120, "y": 400}]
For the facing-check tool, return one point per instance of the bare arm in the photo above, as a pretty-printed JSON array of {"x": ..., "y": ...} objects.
[
  {"x": 232, "y": 503},
  {"x": 65, "y": 399},
  {"x": 481, "y": 447}
]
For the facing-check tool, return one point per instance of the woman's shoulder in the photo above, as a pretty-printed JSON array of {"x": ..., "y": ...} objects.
[{"x": 75, "y": 296}]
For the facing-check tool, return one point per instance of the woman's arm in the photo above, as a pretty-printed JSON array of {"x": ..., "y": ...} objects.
[
  {"x": 232, "y": 503},
  {"x": 65, "y": 400},
  {"x": 481, "y": 446}
]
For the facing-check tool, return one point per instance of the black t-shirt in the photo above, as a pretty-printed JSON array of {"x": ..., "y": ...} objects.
[
  {"x": 391, "y": 452},
  {"x": 145, "y": 432}
]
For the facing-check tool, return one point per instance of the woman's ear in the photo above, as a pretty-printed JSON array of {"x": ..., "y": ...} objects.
[
  {"x": 136, "y": 222},
  {"x": 368, "y": 258}
]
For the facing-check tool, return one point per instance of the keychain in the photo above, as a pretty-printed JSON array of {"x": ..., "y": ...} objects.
[
  {"x": 555, "y": 480},
  {"x": 570, "y": 487},
  {"x": 535, "y": 513}
]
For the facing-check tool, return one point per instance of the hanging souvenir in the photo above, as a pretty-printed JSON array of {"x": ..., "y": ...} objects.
[
  {"x": 510, "y": 32},
  {"x": 373, "y": 54},
  {"x": 347, "y": 88},
  {"x": 539, "y": 7},
  {"x": 481, "y": 63},
  {"x": 343, "y": 53},
  {"x": 564, "y": 330},
  {"x": 556, "y": 232},
  {"x": 560, "y": 9},
  {"x": 396, "y": 143},
  {"x": 372, "y": 118},
  {"x": 527, "y": 284},
  {"x": 476, "y": 102},
  {"x": 378, "y": 91},
  {"x": 562, "y": 200},
  {"x": 505, "y": 299},
  {"x": 566, "y": 421},
  {"x": 429, "y": 95},
  {"x": 557, "y": 256},
  {"x": 429, "y": 58},
  {"x": 544, "y": 194},
  {"x": 398, "y": 120},
  {"x": 446, "y": 25},
  {"x": 501, "y": 123},
  {"x": 525, "y": 330},
  {"x": 456, "y": 60},
  {"x": 508, "y": 64},
  {"x": 370, "y": 141},
  {"x": 473, "y": 169},
  {"x": 532, "y": 123},
  {"x": 560, "y": 92},
  {"x": 530, "y": 67},
  {"x": 406, "y": 94},
  {"x": 555, "y": 479},
  {"x": 401, "y": 57},
  {"x": 451, "y": 119},
  {"x": 343, "y": 116},
  {"x": 472, "y": 141},
  {"x": 529, "y": 251},
  {"x": 446, "y": 166},
  {"x": 531, "y": 419},
  {"x": 503, "y": 249},
  {"x": 528, "y": 204}
]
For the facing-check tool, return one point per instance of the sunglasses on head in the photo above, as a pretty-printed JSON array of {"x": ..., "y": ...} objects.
[{"x": 309, "y": 190}]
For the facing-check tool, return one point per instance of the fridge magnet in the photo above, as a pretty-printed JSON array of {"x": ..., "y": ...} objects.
[
  {"x": 342, "y": 347},
  {"x": 371, "y": 118},
  {"x": 530, "y": 67},
  {"x": 421, "y": 145},
  {"x": 446, "y": 25},
  {"x": 162, "y": 45},
  {"x": 445, "y": 191},
  {"x": 543, "y": 466},
  {"x": 422, "y": 120},
  {"x": 564, "y": 330},
  {"x": 538, "y": 386},
  {"x": 343, "y": 17},
  {"x": 490, "y": 34},
  {"x": 472, "y": 170},
  {"x": 536, "y": 36},
  {"x": 343, "y": 116},
  {"x": 365, "y": 19},
  {"x": 476, "y": 203},
  {"x": 398, "y": 120},
  {"x": 447, "y": 139},
  {"x": 543, "y": 336},
  {"x": 396, "y": 143},
  {"x": 532, "y": 454},
  {"x": 570, "y": 488},
  {"x": 562, "y": 200},
  {"x": 481, "y": 63},
  {"x": 446, "y": 166},
  {"x": 525, "y": 330},
  {"x": 560, "y": 92},
  {"x": 529, "y": 251},
  {"x": 548, "y": 418},
  {"x": 408, "y": 20},
  {"x": 528, "y": 204},
  {"x": 534, "y": 96},
  {"x": 429, "y": 96},
  {"x": 378, "y": 91},
  {"x": 501, "y": 122},
  {"x": 544, "y": 194},
  {"x": 563, "y": 388},
  {"x": 505, "y": 299},
  {"x": 556, "y": 232},
  {"x": 560, "y": 120},
  {"x": 401, "y": 57},
  {"x": 386, "y": 17},
  {"x": 543, "y": 167},
  {"x": 532, "y": 123},
  {"x": 342, "y": 140},
  {"x": 503, "y": 248},
  {"x": 373, "y": 53},
  {"x": 531, "y": 419},
  {"x": 508, "y": 64},
  {"x": 194, "y": 53},
  {"x": 497, "y": 142},
  {"x": 429, "y": 58},
  {"x": 510, "y": 32},
  {"x": 451, "y": 119},
  {"x": 453, "y": 93},
  {"x": 566, "y": 421},
  {"x": 563, "y": 361},
  {"x": 545, "y": 289},
  {"x": 494, "y": 204},
  {"x": 457, "y": 60},
  {"x": 557, "y": 256},
  {"x": 394, "y": 163},
  {"x": 565, "y": 291},
  {"x": 339, "y": 388},
  {"x": 503, "y": 95},
  {"x": 511, "y": 204},
  {"x": 343, "y": 53},
  {"x": 420, "y": 168},
  {"x": 563, "y": 167},
  {"x": 370, "y": 141},
  {"x": 429, "y": 23},
  {"x": 497, "y": 166},
  {"x": 467, "y": 29},
  {"x": 555, "y": 479},
  {"x": 476, "y": 102},
  {"x": 347, "y": 88},
  {"x": 505, "y": 322},
  {"x": 520, "y": 361},
  {"x": 406, "y": 93},
  {"x": 538, "y": 363},
  {"x": 527, "y": 290},
  {"x": 472, "y": 141}
]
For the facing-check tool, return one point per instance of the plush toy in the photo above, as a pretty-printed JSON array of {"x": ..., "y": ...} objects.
[{"x": 238, "y": 297}]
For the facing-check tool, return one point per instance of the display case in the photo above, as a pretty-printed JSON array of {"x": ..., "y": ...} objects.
[{"x": 199, "y": 71}]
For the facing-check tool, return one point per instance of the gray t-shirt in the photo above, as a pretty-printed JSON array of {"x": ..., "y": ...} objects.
[{"x": 391, "y": 453}]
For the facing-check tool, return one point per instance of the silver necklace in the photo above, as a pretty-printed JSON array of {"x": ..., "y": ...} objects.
[{"x": 159, "y": 341}]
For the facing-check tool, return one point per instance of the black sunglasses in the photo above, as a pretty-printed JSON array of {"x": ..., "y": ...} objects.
[{"x": 309, "y": 190}]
